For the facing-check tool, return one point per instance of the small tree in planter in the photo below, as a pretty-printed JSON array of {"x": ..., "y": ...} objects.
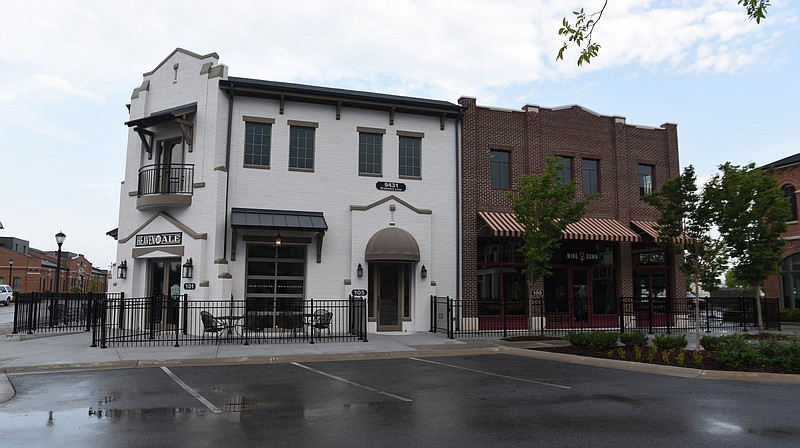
[{"x": 544, "y": 205}]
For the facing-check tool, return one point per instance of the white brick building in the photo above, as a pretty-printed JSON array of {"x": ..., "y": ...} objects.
[{"x": 280, "y": 191}]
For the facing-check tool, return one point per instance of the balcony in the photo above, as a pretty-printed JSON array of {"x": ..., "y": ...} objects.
[{"x": 165, "y": 186}]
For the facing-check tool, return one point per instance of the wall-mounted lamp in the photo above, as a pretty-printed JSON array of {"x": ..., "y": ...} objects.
[
  {"x": 423, "y": 272},
  {"x": 360, "y": 270},
  {"x": 188, "y": 268},
  {"x": 122, "y": 269},
  {"x": 278, "y": 240}
]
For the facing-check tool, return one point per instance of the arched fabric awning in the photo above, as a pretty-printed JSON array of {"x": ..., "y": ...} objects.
[{"x": 392, "y": 244}]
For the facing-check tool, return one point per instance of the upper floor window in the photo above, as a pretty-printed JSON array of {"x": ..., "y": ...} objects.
[
  {"x": 789, "y": 193},
  {"x": 370, "y": 153},
  {"x": 410, "y": 156},
  {"x": 591, "y": 176},
  {"x": 257, "y": 143},
  {"x": 646, "y": 182},
  {"x": 564, "y": 165},
  {"x": 501, "y": 169},
  {"x": 301, "y": 148}
]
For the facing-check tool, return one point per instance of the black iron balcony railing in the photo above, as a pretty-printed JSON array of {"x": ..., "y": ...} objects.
[{"x": 166, "y": 179}]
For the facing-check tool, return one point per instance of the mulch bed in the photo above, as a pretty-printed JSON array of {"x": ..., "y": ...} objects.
[{"x": 708, "y": 361}]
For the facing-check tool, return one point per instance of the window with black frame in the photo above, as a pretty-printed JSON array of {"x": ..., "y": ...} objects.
[{"x": 275, "y": 281}]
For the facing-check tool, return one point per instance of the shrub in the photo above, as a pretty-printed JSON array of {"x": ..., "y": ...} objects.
[
  {"x": 633, "y": 339},
  {"x": 783, "y": 353},
  {"x": 578, "y": 339},
  {"x": 600, "y": 340},
  {"x": 603, "y": 340},
  {"x": 668, "y": 342},
  {"x": 710, "y": 343},
  {"x": 790, "y": 315},
  {"x": 735, "y": 351}
]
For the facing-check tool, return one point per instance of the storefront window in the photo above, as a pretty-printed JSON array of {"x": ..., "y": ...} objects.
[
  {"x": 790, "y": 282},
  {"x": 275, "y": 280},
  {"x": 501, "y": 282},
  {"x": 494, "y": 251}
]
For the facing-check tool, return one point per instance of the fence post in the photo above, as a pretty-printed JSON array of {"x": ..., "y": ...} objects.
[
  {"x": 621, "y": 313},
  {"x": 311, "y": 330},
  {"x": 433, "y": 314},
  {"x": 103, "y": 312},
  {"x": 364, "y": 318},
  {"x": 30, "y": 313},
  {"x": 16, "y": 309},
  {"x": 94, "y": 321},
  {"x": 450, "y": 319}
]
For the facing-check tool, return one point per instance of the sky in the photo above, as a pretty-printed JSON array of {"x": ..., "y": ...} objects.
[{"x": 69, "y": 68}]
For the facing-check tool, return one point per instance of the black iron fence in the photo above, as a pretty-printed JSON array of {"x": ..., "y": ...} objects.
[
  {"x": 549, "y": 316},
  {"x": 49, "y": 312},
  {"x": 114, "y": 319}
]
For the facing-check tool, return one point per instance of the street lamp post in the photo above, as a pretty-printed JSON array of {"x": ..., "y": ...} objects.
[
  {"x": 59, "y": 240},
  {"x": 10, "y": 278}
]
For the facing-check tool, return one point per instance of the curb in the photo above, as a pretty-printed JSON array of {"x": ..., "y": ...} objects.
[{"x": 657, "y": 369}]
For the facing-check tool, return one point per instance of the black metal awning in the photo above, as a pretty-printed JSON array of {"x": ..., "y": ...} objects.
[
  {"x": 163, "y": 116},
  {"x": 245, "y": 218},
  {"x": 261, "y": 219}
]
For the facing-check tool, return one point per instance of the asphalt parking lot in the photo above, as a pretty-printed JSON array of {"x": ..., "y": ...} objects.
[{"x": 488, "y": 400}]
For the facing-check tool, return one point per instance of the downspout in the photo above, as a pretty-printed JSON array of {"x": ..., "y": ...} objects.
[
  {"x": 227, "y": 173},
  {"x": 459, "y": 219}
]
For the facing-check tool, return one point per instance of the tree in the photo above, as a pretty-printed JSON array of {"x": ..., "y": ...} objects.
[
  {"x": 751, "y": 214},
  {"x": 544, "y": 205},
  {"x": 581, "y": 31},
  {"x": 685, "y": 212}
]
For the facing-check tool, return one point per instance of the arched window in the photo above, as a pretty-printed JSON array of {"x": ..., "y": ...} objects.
[{"x": 789, "y": 193}]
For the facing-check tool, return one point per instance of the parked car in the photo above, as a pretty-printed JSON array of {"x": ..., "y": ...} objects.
[
  {"x": 690, "y": 299},
  {"x": 5, "y": 295}
]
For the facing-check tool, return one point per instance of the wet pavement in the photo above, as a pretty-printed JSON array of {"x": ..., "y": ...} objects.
[{"x": 459, "y": 400}]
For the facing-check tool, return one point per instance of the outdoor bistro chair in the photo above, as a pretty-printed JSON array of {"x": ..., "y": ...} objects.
[
  {"x": 321, "y": 320},
  {"x": 291, "y": 321},
  {"x": 212, "y": 325}
]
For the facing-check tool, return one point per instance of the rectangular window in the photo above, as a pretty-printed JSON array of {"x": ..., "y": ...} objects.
[
  {"x": 301, "y": 148},
  {"x": 501, "y": 169},
  {"x": 410, "y": 156},
  {"x": 646, "y": 183},
  {"x": 591, "y": 176},
  {"x": 257, "y": 139},
  {"x": 370, "y": 154},
  {"x": 564, "y": 165},
  {"x": 275, "y": 284}
]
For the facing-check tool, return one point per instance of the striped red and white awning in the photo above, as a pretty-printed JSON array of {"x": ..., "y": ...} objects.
[
  {"x": 503, "y": 224},
  {"x": 651, "y": 229},
  {"x": 597, "y": 229}
]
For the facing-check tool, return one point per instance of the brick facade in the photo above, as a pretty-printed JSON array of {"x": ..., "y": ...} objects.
[
  {"x": 787, "y": 172},
  {"x": 36, "y": 271},
  {"x": 534, "y": 134}
]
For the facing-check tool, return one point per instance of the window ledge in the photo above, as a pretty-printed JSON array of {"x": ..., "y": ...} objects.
[{"x": 258, "y": 167}]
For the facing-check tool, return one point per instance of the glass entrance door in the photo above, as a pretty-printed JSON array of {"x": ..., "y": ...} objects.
[
  {"x": 581, "y": 294},
  {"x": 392, "y": 302},
  {"x": 164, "y": 290}
]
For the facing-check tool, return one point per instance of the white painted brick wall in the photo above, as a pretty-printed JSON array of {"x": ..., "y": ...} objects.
[{"x": 332, "y": 188}]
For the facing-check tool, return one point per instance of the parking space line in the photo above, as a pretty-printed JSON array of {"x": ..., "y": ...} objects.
[
  {"x": 191, "y": 391},
  {"x": 492, "y": 374},
  {"x": 353, "y": 383}
]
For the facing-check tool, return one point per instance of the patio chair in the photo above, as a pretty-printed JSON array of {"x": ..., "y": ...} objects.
[
  {"x": 321, "y": 320},
  {"x": 212, "y": 325},
  {"x": 58, "y": 314},
  {"x": 291, "y": 321}
]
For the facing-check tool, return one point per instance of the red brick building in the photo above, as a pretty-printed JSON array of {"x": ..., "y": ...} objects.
[
  {"x": 786, "y": 284},
  {"x": 32, "y": 270},
  {"x": 611, "y": 253}
]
